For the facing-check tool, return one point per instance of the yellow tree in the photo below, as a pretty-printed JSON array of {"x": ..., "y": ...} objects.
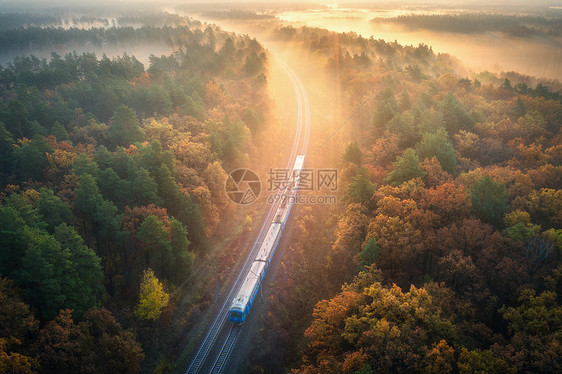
[
  {"x": 13, "y": 362},
  {"x": 152, "y": 297}
]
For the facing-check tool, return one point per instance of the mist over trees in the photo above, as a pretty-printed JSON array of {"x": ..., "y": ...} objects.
[
  {"x": 112, "y": 183},
  {"x": 447, "y": 242},
  {"x": 469, "y": 23},
  {"x": 441, "y": 255}
]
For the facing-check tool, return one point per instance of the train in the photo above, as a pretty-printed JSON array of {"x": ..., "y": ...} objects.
[{"x": 242, "y": 303}]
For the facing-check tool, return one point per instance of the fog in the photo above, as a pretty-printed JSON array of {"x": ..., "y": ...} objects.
[
  {"x": 497, "y": 52},
  {"x": 141, "y": 51},
  {"x": 536, "y": 55},
  {"x": 129, "y": 166},
  {"x": 327, "y": 105},
  {"x": 490, "y": 51}
]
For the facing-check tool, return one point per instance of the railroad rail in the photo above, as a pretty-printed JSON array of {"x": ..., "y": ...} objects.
[{"x": 213, "y": 353}]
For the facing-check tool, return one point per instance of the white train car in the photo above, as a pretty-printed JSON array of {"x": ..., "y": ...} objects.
[{"x": 246, "y": 295}]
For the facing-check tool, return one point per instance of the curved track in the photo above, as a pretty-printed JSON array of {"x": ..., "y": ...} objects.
[{"x": 219, "y": 341}]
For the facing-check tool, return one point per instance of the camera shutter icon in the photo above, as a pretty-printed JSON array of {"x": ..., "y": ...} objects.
[{"x": 243, "y": 186}]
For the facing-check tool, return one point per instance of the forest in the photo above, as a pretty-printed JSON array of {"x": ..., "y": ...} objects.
[
  {"x": 514, "y": 25},
  {"x": 442, "y": 254},
  {"x": 112, "y": 180}
]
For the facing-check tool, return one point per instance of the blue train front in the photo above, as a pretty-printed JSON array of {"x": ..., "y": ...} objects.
[
  {"x": 246, "y": 295},
  {"x": 236, "y": 316}
]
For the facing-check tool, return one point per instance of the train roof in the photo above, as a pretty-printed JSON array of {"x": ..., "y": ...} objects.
[
  {"x": 268, "y": 242},
  {"x": 245, "y": 292},
  {"x": 299, "y": 161},
  {"x": 258, "y": 265}
]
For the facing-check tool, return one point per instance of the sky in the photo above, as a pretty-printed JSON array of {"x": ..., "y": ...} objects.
[
  {"x": 52, "y": 3},
  {"x": 35, "y": 6},
  {"x": 38, "y": 5}
]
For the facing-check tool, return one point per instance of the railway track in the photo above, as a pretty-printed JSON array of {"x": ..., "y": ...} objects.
[
  {"x": 226, "y": 349},
  {"x": 220, "y": 340}
]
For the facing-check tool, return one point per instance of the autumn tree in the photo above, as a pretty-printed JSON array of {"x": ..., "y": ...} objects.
[
  {"x": 440, "y": 359},
  {"x": 17, "y": 320},
  {"x": 482, "y": 361},
  {"x": 350, "y": 234},
  {"x": 135, "y": 216},
  {"x": 215, "y": 176},
  {"x": 65, "y": 346},
  {"x": 449, "y": 201},
  {"x": 13, "y": 362},
  {"x": 545, "y": 207},
  {"x": 17, "y": 326},
  {"x": 115, "y": 349},
  {"x": 534, "y": 329},
  {"x": 519, "y": 227},
  {"x": 214, "y": 94},
  {"x": 384, "y": 327},
  {"x": 152, "y": 297},
  {"x": 96, "y": 344},
  {"x": 467, "y": 143}
]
